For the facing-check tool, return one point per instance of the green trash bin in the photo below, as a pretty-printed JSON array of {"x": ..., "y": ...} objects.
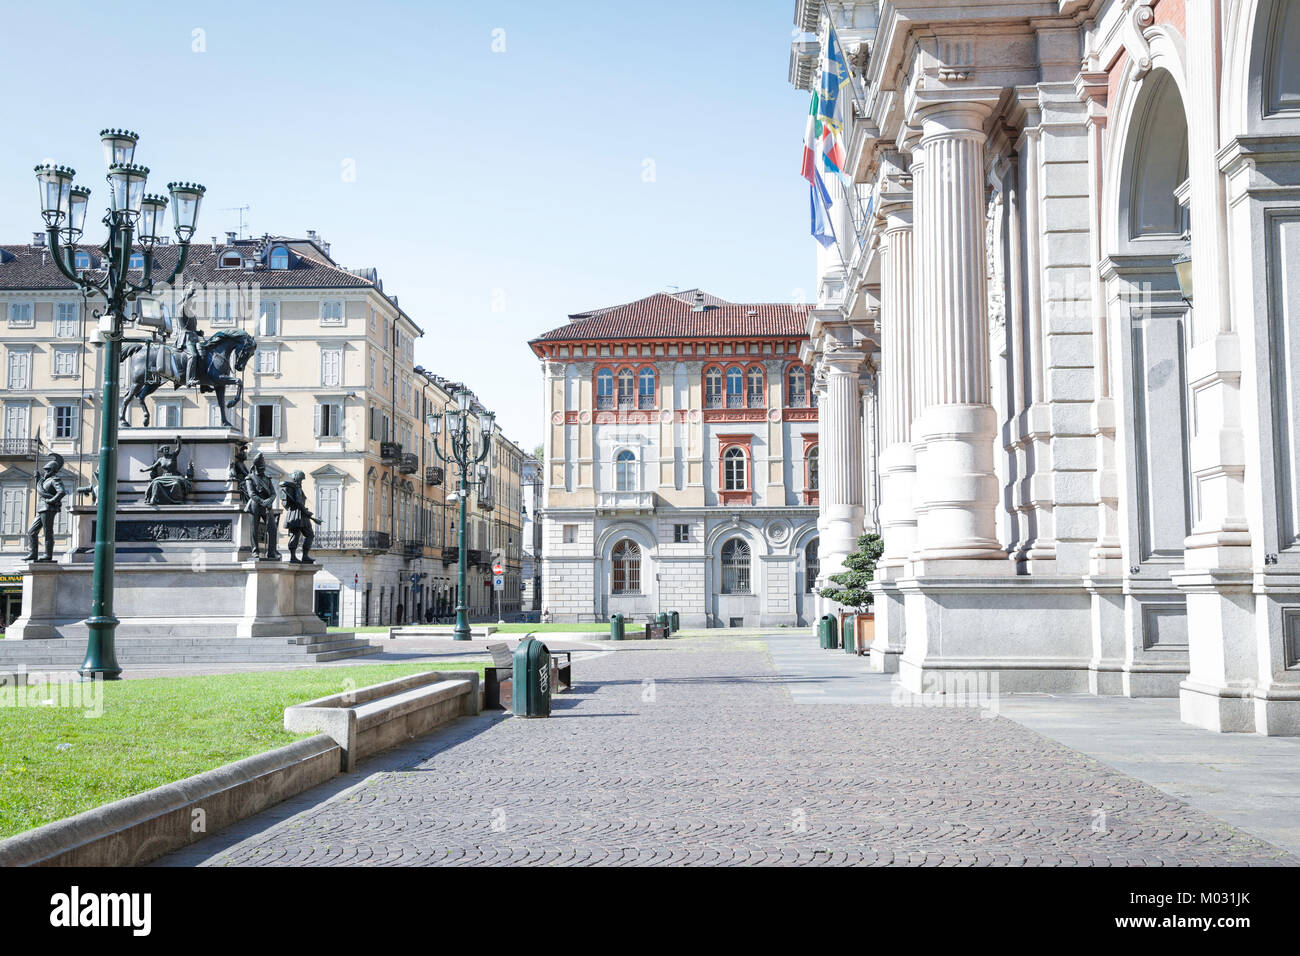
[
  {"x": 616, "y": 627},
  {"x": 675, "y": 620},
  {"x": 826, "y": 631},
  {"x": 850, "y": 639},
  {"x": 530, "y": 694},
  {"x": 662, "y": 620}
]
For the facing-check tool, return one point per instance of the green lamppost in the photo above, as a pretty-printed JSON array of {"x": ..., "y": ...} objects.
[
  {"x": 131, "y": 216},
  {"x": 465, "y": 453}
]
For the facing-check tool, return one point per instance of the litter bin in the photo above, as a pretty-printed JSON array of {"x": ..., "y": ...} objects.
[
  {"x": 850, "y": 640},
  {"x": 531, "y": 691},
  {"x": 675, "y": 620},
  {"x": 662, "y": 619},
  {"x": 826, "y": 631},
  {"x": 616, "y": 627}
]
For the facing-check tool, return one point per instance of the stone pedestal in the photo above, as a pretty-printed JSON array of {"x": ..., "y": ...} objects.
[{"x": 181, "y": 570}]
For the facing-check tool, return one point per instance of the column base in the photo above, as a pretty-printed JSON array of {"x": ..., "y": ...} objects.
[
  {"x": 1221, "y": 709},
  {"x": 887, "y": 648}
]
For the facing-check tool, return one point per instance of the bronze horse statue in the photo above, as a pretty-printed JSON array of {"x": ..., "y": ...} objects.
[{"x": 224, "y": 355}]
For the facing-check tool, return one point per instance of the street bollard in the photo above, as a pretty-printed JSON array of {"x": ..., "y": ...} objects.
[{"x": 530, "y": 695}]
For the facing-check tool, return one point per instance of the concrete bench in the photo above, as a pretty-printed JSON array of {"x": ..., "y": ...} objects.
[
  {"x": 500, "y": 674},
  {"x": 368, "y": 720}
]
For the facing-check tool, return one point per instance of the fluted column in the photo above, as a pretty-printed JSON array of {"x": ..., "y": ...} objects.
[
  {"x": 957, "y": 422},
  {"x": 841, "y": 458},
  {"x": 897, "y": 459}
]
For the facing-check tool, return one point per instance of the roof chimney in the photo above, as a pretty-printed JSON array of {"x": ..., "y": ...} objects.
[
  {"x": 699, "y": 302},
  {"x": 311, "y": 234},
  {"x": 231, "y": 237},
  {"x": 214, "y": 243},
  {"x": 38, "y": 239}
]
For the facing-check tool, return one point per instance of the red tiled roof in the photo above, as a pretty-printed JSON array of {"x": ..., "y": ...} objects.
[{"x": 665, "y": 315}]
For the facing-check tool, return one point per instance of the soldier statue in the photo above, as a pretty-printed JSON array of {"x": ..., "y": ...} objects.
[
  {"x": 298, "y": 517},
  {"x": 49, "y": 501},
  {"x": 261, "y": 505},
  {"x": 239, "y": 471}
]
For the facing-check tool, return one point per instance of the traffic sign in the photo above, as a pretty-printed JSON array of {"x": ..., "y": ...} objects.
[
  {"x": 498, "y": 569},
  {"x": 498, "y": 583}
]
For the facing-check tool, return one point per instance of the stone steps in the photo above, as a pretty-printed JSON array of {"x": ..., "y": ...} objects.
[{"x": 157, "y": 651}]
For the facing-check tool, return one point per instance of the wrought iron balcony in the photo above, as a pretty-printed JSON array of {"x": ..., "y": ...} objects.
[
  {"x": 413, "y": 549},
  {"x": 646, "y": 401},
  {"x": 409, "y": 463},
  {"x": 450, "y": 555},
  {"x": 351, "y": 541},
  {"x": 390, "y": 450},
  {"x": 604, "y": 402},
  {"x": 20, "y": 448},
  {"x": 433, "y": 475},
  {"x": 756, "y": 398},
  {"x": 713, "y": 400}
]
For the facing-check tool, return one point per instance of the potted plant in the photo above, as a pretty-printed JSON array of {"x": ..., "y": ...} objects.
[{"x": 849, "y": 587}]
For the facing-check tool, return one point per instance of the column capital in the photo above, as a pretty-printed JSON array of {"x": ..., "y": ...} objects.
[
  {"x": 953, "y": 113},
  {"x": 843, "y": 361}
]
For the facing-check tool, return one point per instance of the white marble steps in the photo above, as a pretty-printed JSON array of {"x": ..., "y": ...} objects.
[{"x": 147, "y": 651}]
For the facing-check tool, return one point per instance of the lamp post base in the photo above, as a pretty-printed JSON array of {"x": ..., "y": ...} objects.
[
  {"x": 101, "y": 653},
  {"x": 462, "y": 632}
]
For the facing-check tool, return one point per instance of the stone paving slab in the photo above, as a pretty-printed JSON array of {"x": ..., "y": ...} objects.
[{"x": 700, "y": 752}]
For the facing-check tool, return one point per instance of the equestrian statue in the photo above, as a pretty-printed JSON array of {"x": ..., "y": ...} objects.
[{"x": 190, "y": 359}]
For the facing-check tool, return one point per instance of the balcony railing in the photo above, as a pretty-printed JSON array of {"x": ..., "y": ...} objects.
[
  {"x": 646, "y": 401},
  {"x": 433, "y": 475},
  {"x": 451, "y": 555},
  {"x": 735, "y": 400},
  {"x": 20, "y": 447},
  {"x": 409, "y": 464},
  {"x": 755, "y": 398},
  {"x": 390, "y": 450},
  {"x": 604, "y": 403},
  {"x": 351, "y": 541},
  {"x": 623, "y": 501},
  {"x": 413, "y": 549},
  {"x": 713, "y": 400}
]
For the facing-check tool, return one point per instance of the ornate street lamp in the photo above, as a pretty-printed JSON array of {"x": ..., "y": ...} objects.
[
  {"x": 63, "y": 207},
  {"x": 466, "y": 454}
]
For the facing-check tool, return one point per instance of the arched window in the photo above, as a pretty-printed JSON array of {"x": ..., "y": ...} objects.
[
  {"x": 733, "y": 470},
  {"x": 735, "y": 388},
  {"x": 604, "y": 388},
  {"x": 279, "y": 258},
  {"x": 735, "y": 567},
  {"x": 626, "y": 387},
  {"x": 713, "y": 388},
  {"x": 647, "y": 388},
  {"x": 812, "y": 565},
  {"x": 754, "y": 392},
  {"x": 627, "y": 568},
  {"x": 796, "y": 387},
  {"x": 625, "y": 471},
  {"x": 814, "y": 462}
]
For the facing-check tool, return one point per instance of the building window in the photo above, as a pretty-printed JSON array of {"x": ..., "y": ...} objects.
[
  {"x": 21, "y": 315},
  {"x": 814, "y": 461},
  {"x": 15, "y": 509},
  {"x": 797, "y": 387},
  {"x": 81, "y": 261},
  {"x": 626, "y": 388},
  {"x": 231, "y": 260},
  {"x": 136, "y": 262},
  {"x": 63, "y": 422},
  {"x": 65, "y": 362},
  {"x": 20, "y": 369},
  {"x": 604, "y": 389},
  {"x": 735, "y": 567},
  {"x": 331, "y": 368},
  {"x": 329, "y": 420},
  {"x": 713, "y": 388},
  {"x": 733, "y": 470},
  {"x": 646, "y": 388},
  {"x": 66, "y": 317},
  {"x": 168, "y": 414},
  {"x": 735, "y": 388},
  {"x": 224, "y": 308},
  {"x": 266, "y": 420},
  {"x": 625, "y": 471},
  {"x": 268, "y": 361},
  {"x": 269, "y": 321},
  {"x": 812, "y": 565},
  {"x": 331, "y": 312},
  {"x": 627, "y": 568},
  {"x": 570, "y": 534},
  {"x": 754, "y": 394},
  {"x": 279, "y": 258},
  {"x": 681, "y": 533}
]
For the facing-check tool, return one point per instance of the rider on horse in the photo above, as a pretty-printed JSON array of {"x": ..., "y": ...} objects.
[{"x": 187, "y": 337}]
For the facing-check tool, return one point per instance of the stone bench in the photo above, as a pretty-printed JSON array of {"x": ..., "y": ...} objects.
[{"x": 371, "y": 719}]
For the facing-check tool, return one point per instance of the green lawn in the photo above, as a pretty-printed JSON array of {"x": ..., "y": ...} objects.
[{"x": 154, "y": 731}]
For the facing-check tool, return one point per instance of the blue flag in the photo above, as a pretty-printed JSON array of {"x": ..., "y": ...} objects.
[{"x": 819, "y": 201}]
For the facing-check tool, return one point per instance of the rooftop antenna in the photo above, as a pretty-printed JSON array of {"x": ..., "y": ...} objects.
[{"x": 243, "y": 218}]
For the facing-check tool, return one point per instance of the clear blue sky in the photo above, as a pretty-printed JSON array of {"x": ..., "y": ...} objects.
[{"x": 496, "y": 192}]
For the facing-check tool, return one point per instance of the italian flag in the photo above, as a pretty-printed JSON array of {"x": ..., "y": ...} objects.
[{"x": 810, "y": 135}]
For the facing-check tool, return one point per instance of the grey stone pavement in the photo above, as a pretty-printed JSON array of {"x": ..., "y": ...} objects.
[{"x": 733, "y": 749}]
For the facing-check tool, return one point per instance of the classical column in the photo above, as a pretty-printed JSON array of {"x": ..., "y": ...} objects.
[
  {"x": 917, "y": 328},
  {"x": 957, "y": 421},
  {"x": 841, "y": 457},
  {"x": 897, "y": 459}
]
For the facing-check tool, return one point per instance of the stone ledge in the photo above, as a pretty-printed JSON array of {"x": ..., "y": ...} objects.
[
  {"x": 365, "y": 721},
  {"x": 141, "y": 828}
]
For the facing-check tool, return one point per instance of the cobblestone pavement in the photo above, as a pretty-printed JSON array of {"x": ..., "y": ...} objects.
[{"x": 698, "y": 753}]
